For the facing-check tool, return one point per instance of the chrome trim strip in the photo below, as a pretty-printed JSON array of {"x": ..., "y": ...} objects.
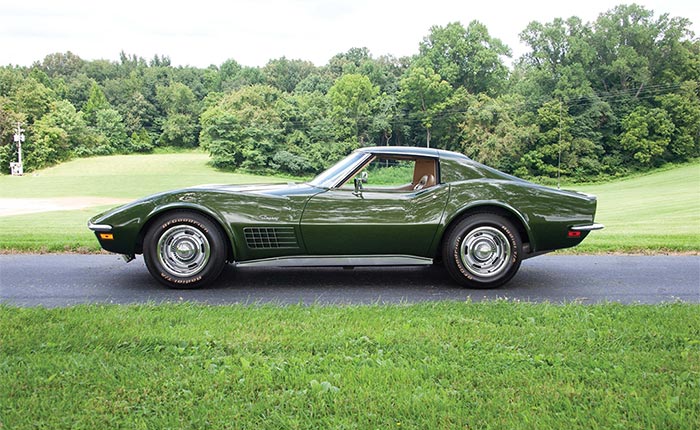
[
  {"x": 589, "y": 227},
  {"x": 99, "y": 227},
  {"x": 338, "y": 260},
  {"x": 350, "y": 171}
]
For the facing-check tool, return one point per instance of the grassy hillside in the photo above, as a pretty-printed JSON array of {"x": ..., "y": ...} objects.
[
  {"x": 658, "y": 212},
  {"x": 119, "y": 177},
  {"x": 125, "y": 176},
  {"x": 655, "y": 212}
]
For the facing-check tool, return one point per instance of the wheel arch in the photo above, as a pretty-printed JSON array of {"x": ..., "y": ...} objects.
[
  {"x": 212, "y": 216},
  {"x": 496, "y": 208}
]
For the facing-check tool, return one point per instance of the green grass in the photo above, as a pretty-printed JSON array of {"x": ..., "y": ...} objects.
[
  {"x": 498, "y": 365},
  {"x": 122, "y": 176},
  {"x": 119, "y": 177},
  {"x": 656, "y": 212}
]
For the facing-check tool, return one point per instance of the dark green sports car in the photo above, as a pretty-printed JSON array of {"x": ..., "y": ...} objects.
[{"x": 378, "y": 206}]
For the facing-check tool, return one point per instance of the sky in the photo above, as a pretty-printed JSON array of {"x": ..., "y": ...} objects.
[{"x": 252, "y": 32}]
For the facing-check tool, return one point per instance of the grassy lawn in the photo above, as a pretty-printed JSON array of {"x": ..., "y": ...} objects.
[
  {"x": 658, "y": 212},
  {"x": 655, "y": 212},
  {"x": 118, "y": 177},
  {"x": 449, "y": 365},
  {"x": 122, "y": 176}
]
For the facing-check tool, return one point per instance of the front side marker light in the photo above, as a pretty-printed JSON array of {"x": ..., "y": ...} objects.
[{"x": 106, "y": 236}]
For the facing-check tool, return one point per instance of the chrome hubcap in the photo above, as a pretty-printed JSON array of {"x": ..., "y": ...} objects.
[
  {"x": 183, "y": 251},
  {"x": 485, "y": 252}
]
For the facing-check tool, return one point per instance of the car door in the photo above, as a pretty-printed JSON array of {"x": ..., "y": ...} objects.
[{"x": 375, "y": 220}]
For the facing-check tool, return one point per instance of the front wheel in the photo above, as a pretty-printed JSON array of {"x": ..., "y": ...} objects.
[
  {"x": 482, "y": 251},
  {"x": 184, "y": 250}
]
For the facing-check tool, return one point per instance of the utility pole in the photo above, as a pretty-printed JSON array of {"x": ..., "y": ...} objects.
[
  {"x": 16, "y": 168},
  {"x": 559, "y": 161}
]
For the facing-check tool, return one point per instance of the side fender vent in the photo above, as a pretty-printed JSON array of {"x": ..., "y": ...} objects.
[{"x": 270, "y": 237}]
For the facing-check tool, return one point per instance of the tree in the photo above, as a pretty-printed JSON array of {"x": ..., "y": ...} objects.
[
  {"x": 33, "y": 99},
  {"x": 54, "y": 137},
  {"x": 647, "y": 133},
  {"x": 245, "y": 128},
  {"x": 62, "y": 64},
  {"x": 466, "y": 57},
  {"x": 624, "y": 40},
  {"x": 95, "y": 103},
  {"x": 285, "y": 74},
  {"x": 349, "y": 62},
  {"x": 543, "y": 156},
  {"x": 180, "y": 124},
  {"x": 489, "y": 133},
  {"x": 385, "y": 112},
  {"x": 424, "y": 93},
  {"x": 561, "y": 58},
  {"x": 235, "y": 76},
  {"x": 110, "y": 124},
  {"x": 351, "y": 99},
  {"x": 10, "y": 79},
  {"x": 683, "y": 109},
  {"x": 310, "y": 134}
]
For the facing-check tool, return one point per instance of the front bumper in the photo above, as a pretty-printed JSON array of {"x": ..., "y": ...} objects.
[{"x": 99, "y": 227}]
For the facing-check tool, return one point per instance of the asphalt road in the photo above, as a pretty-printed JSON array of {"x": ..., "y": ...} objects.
[{"x": 64, "y": 280}]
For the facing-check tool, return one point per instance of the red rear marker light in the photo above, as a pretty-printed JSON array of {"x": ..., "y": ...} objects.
[{"x": 574, "y": 234}]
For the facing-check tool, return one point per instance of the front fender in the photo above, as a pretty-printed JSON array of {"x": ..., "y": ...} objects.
[{"x": 185, "y": 202}]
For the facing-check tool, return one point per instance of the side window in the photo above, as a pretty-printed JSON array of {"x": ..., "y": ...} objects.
[
  {"x": 390, "y": 173},
  {"x": 397, "y": 174}
]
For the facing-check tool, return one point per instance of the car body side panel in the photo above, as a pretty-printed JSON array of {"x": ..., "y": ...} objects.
[
  {"x": 376, "y": 222},
  {"x": 546, "y": 214},
  {"x": 263, "y": 210}
]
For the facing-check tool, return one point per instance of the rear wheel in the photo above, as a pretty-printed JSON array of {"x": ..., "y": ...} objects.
[
  {"x": 184, "y": 250},
  {"x": 483, "y": 250}
]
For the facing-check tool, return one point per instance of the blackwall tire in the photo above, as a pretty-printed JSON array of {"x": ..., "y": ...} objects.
[
  {"x": 482, "y": 250},
  {"x": 184, "y": 250}
]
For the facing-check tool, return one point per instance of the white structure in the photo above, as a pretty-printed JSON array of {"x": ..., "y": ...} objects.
[{"x": 17, "y": 169}]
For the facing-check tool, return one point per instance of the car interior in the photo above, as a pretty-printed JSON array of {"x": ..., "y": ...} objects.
[{"x": 396, "y": 174}]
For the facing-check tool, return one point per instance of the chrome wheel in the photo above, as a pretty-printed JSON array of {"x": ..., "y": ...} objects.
[
  {"x": 485, "y": 252},
  {"x": 183, "y": 251}
]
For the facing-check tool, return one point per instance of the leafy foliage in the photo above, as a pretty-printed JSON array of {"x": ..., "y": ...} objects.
[{"x": 588, "y": 100}]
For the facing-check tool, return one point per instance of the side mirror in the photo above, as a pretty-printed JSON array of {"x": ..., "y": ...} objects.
[
  {"x": 363, "y": 176},
  {"x": 358, "y": 187}
]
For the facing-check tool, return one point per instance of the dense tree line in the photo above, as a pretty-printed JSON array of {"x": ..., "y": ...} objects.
[{"x": 588, "y": 100}]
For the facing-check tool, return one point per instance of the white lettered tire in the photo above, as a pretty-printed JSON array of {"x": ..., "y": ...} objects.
[
  {"x": 184, "y": 250},
  {"x": 482, "y": 250}
]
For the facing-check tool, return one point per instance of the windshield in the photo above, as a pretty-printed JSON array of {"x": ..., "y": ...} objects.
[{"x": 338, "y": 171}]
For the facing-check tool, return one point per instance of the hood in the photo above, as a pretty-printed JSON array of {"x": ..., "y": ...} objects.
[{"x": 287, "y": 189}]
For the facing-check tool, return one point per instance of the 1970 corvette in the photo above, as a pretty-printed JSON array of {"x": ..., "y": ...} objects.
[{"x": 377, "y": 206}]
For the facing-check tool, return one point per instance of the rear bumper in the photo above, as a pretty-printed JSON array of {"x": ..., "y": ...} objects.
[{"x": 588, "y": 227}]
